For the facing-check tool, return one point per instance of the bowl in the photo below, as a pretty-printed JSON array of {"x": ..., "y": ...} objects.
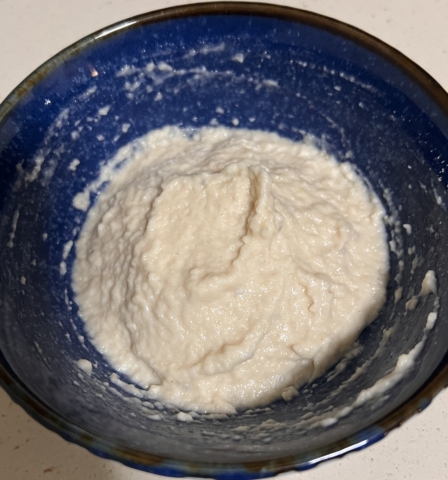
[{"x": 264, "y": 67}]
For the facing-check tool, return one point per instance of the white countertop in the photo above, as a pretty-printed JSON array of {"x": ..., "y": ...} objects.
[{"x": 31, "y": 31}]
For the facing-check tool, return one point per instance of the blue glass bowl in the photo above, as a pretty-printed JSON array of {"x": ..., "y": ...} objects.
[{"x": 272, "y": 68}]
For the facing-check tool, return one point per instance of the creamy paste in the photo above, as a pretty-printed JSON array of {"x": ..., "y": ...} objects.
[{"x": 220, "y": 269}]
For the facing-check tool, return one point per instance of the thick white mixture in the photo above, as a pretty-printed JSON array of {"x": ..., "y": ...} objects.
[{"x": 223, "y": 270}]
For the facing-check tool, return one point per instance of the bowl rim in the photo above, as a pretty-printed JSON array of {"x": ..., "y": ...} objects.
[{"x": 52, "y": 420}]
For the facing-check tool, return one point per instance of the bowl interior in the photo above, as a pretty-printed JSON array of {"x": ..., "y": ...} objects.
[{"x": 291, "y": 75}]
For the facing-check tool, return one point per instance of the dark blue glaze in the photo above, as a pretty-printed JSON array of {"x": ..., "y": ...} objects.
[{"x": 361, "y": 101}]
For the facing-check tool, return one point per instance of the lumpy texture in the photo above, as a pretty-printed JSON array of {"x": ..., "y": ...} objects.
[{"x": 222, "y": 268}]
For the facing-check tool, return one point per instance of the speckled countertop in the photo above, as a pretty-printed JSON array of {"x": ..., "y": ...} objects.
[{"x": 33, "y": 30}]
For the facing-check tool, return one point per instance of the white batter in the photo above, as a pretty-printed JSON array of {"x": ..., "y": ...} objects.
[{"x": 220, "y": 270}]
